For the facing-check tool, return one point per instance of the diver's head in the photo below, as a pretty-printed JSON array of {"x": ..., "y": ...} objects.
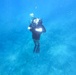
[{"x": 37, "y": 21}]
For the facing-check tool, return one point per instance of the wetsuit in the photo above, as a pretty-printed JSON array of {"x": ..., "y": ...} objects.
[{"x": 36, "y": 35}]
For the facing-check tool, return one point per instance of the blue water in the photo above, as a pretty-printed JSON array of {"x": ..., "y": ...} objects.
[{"x": 57, "y": 46}]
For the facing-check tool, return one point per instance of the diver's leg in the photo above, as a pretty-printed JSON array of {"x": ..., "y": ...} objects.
[
  {"x": 34, "y": 46},
  {"x": 37, "y": 46}
]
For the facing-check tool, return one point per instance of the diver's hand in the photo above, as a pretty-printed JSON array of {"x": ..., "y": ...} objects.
[
  {"x": 29, "y": 28},
  {"x": 39, "y": 29}
]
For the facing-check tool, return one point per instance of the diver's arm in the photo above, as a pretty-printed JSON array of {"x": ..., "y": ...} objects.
[
  {"x": 30, "y": 27},
  {"x": 43, "y": 28}
]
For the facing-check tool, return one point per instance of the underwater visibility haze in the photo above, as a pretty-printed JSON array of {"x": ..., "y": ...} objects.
[{"x": 57, "y": 46}]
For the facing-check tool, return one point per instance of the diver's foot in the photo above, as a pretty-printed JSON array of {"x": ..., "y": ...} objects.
[{"x": 36, "y": 51}]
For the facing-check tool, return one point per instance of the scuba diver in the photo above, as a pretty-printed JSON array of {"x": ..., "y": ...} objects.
[{"x": 37, "y": 29}]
